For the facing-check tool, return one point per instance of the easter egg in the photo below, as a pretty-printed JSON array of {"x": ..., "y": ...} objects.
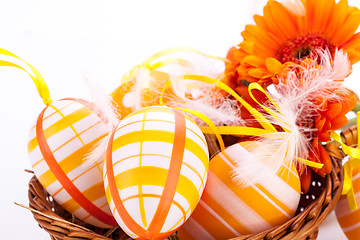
[
  {"x": 228, "y": 210},
  {"x": 156, "y": 168},
  {"x": 150, "y": 85},
  {"x": 62, "y": 135},
  {"x": 350, "y": 220}
]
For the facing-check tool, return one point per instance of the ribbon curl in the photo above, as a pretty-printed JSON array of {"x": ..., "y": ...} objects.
[
  {"x": 354, "y": 161},
  {"x": 238, "y": 130}
]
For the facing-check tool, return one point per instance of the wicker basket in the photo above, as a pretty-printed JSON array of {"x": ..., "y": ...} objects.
[{"x": 313, "y": 208}]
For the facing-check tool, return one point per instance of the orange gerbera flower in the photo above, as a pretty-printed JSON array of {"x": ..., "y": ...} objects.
[{"x": 282, "y": 35}]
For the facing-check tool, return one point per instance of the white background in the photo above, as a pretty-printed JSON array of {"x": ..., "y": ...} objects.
[{"x": 103, "y": 39}]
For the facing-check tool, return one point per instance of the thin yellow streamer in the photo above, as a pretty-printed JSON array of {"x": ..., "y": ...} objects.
[
  {"x": 349, "y": 166},
  {"x": 38, "y": 79},
  {"x": 232, "y": 130},
  {"x": 257, "y": 115},
  {"x": 208, "y": 122},
  {"x": 256, "y": 86},
  {"x": 149, "y": 65}
]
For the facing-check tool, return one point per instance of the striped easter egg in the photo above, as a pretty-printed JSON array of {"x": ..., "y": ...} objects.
[
  {"x": 64, "y": 132},
  {"x": 228, "y": 210},
  {"x": 350, "y": 220},
  {"x": 156, "y": 167},
  {"x": 150, "y": 85}
]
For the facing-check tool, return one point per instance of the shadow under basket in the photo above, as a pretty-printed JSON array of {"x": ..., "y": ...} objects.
[{"x": 313, "y": 208}]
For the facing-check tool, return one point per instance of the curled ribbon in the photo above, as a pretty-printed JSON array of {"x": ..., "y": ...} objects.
[
  {"x": 349, "y": 166},
  {"x": 149, "y": 64},
  {"x": 38, "y": 79},
  {"x": 152, "y": 63},
  {"x": 238, "y": 130}
]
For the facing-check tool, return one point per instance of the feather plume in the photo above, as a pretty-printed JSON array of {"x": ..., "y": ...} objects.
[
  {"x": 103, "y": 107},
  {"x": 274, "y": 150},
  {"x": 205, "y": 98},
  {"x": 297, "y": 91},
  {"x": 311, "y": 80}
]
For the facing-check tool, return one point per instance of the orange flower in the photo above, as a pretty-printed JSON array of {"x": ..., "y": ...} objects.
[
  {"x": 281, "y": 36},
  {"x": 332, "y": 116}
]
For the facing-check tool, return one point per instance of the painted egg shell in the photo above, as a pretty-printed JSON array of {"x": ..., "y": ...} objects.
[
  {"x": 62, "y": 135},
  {"x": 228, "y": 210},
  {"x": 124, "y": 96},
  {"x": 350, "y": 220},
  {"x": 156, "y": 167}
]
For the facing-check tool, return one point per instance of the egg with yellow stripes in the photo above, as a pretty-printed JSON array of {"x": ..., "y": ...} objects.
[
  {"x": 144, "y": 88},
  {"x": 62, "y": 135},
  {"x": 156, "y": 168},
  {"x": 227, "y": 209},
  {"x": 350, "y": 220}
]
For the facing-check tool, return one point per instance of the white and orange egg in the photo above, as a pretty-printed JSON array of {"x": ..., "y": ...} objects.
[
  {"x": 227, "y": 209},
  {"x": 350, "y": 220},
  {"x": 62, "y": 136},
  {"x": 156, "y": 168},
  {"x": 143, "y": 88}
]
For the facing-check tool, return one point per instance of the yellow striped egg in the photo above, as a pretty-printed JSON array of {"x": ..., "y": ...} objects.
[
  {"x": 62, "y": 135},
  {"x": 350, "y": 220},
  {"x": 228, "y": 210},
  {"x": 156, "y": 167}
]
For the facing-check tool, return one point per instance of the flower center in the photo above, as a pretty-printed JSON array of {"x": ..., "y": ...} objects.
[{"x": 302, "y": 46}]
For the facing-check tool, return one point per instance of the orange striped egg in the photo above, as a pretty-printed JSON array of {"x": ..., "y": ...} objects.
[
  {"x": 62, "y": 135},
  {"x": 350, "y": 220},
  {"x": 228, "y": 210},
  {"x": 156, "y": 167},
  {"x": 151, "y": 86}
]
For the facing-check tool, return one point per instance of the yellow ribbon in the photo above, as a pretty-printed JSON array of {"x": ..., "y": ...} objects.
[
  {"x": 349, "y": 166},
  {"x": 234, "y": 130},
  {"x": 38, "y": 79},
  {"x": 150, "y": 66},
  {"x": 207, "y": 120}
]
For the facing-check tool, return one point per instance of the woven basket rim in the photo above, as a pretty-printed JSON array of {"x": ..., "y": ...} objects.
[{"x": 304, "y": 225}]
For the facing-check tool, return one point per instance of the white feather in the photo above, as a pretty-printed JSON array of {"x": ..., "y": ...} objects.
[
  {"x": 296, "y": 95},
  {"x": 223, "y": 111},
  {"x": 315, "y": 80},
  {"x": 275, "y": 150},
  {"x": 104, "y": 108},
  {"x": 206, "y": 100}
]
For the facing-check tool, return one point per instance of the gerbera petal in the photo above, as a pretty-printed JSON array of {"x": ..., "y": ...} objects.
[
  {"x": 285, "y": 23},
  {"x": 253, "y": 61},
  {"x": 319, "y": 124},
  {"x": 354, "y": 55},
  {"x": 247, "y": 46},
  {"x": 257, "y": 72},
  {"x": 325, "y": 159},
  {"x": 324, "y": 136},
  {"x": 305, "y": 179},
  {"x": 337, "y": 20},
  {"x": 348, "y": 29},
  {"x": 273, "y": 65},
  {"x": 333, "y": 110},
  {"x": 322, "y": 13},
  {"x": 348, "y": 104},
  {"x": 353, "y": 42},
  {"x": 260, "y": 21},
  {"x": 259, "y": 35},
  {"x": 339, "y": 122},
  {"x": 272, "y": 22}
]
